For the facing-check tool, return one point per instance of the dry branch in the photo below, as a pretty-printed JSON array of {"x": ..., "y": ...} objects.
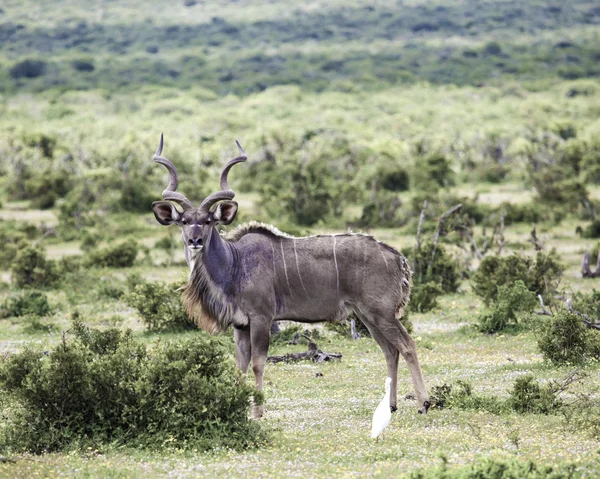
[
  {"x": 589, "y": 322},
  {"x": 544, "y": 311},
  {"x": 313, "y": 354},
  {"x": 535, "y": 241},
  {"x": 418, "y": 245},
  {"x": 585, "y": 266},
  {"x": 436, "y": 237}
]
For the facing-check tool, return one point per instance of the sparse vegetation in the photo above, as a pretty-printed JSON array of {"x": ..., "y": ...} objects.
[
  {"x": 353, "y": 116},
  {"x": 103, "y": 387}
]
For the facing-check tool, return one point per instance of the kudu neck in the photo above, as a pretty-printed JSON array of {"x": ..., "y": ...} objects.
[{"x": 218, "y": 258}]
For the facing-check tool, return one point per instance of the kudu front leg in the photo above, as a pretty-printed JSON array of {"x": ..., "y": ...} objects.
[
  {"x": 242, "y": 348},
  {"x": 259, "y": 338}
]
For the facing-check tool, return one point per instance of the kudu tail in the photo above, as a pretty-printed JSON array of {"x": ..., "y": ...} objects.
[{"x": 404, "y": 286}]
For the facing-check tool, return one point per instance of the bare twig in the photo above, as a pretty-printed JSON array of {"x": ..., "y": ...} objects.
[
  {"x": 586, "y": 272},
  {"x": 544, "y": 311},
  {"x": 476, "y": 250},
  {"x": 49, "y": 232},
  {"x": 500, "y": 235},
  {"x": 436, "y": 237},
  {"x": 535, "y": 241},
  {"x": 572, "y": 377},
  {"x": 418, "y": 245},
  {"x": 589, "y": 322}
]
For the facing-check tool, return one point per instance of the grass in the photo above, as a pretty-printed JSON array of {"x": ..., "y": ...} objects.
[
  {"x": 321, "y": 424},
  {"x": 292, "y": 81}
]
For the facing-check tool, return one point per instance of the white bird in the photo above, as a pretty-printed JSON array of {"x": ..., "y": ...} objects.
[{"x": 383, "y": 414}]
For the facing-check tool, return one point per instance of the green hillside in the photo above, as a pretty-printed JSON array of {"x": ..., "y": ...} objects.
[{"x": 245, "y": 47}]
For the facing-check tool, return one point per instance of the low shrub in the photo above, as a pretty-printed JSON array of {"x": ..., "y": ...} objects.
[
  {"x": 28, "y": 69},
  {"x": 424, "y": 297},
  {"x": 564, "y": 338},
  {"x": 432, "y": 171},
  {"x": 159, "y": 305},
  {"x": 10, "y": 244},
  {"x": 510, "y": 301},
  {"x": 444, "y": 270},
  {"x": 102, "y": 388},
  {"x": 287, "y": 335},
  {"x": 31, "y": 268},
  {"x": 528, "y": 396},
  {"x": 118, "y": 255},
  {"x": 541, "y": 275},
  {"x": 28, "y": 303},
  {"x": 590, "y": 231},
  {"x": 490, "y": 468},
  {"x": 460, "y": 395}
]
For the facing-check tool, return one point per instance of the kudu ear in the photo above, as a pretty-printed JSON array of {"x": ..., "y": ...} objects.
[
  {"x": 225, "y": 212},
  {"x": 165, "y": 212}
]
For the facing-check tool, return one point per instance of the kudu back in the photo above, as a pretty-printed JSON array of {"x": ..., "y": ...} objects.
[{"x": 256, "y": 275}]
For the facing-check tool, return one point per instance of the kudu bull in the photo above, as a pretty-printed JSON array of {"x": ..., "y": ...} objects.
[{"x": 257, "y": 274}]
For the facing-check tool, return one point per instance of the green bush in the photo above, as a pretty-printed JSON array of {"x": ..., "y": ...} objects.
[
  {"x": 432, "y": 171},
  {"x": 590, "y": 231},
  {"x": 460, "y": 396},
  {"x": 29, "y": 68},
  {"x": 563, "y": 338},
  {"x": 381, "y": 210},
  {"x": 541, "y": 275},
  {"x": 159, "y": 305},
  {"x": 103, "y": 388},
  {"x": 31, "y": 268},
  {"x": 527, "y": 396},
  {"x": 511, "y": 299},
  {"x": 490, "y": 468},
  {"x": 443, "y": 271},
  {"x": 47, "y": 186},
  {"x": 33, "y": 303},
  {"x": 424, "y": 296},
  {"x": 118, "y": 255}
]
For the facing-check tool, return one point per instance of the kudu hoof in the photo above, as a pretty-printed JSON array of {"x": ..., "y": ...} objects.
[
  {"x": 393, "y": 408},
  {"x": 425, "y": 407}
]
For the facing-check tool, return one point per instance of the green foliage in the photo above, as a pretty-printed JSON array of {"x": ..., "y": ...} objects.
[
  {"x": 563, "y": 338},
  {"x": 424, "y": 296},
  {"x": 541, "y": 275},
  {"x": 590, "y": 231},
  {"x": 28, "y": 303},
  {"x": 159, "y": 305},
  {"x": 460, "y": 396},
  {"x": 286, "y": 335},
  {"x": 103, "y": 387},
  {"x": 490, "y": 468},
  {"x": 527, "y": 396},
  {"x": 28, "y": 69},
  {"x": 432, "y": 171},
  {"x": 442, "y": 270},
  {"x": 511, "y": 299},
  {"x": 306, "y": 188},
  {"x": 118, "y": 255},
  {"x": 10, "y": 243},
  {"x": 31, "y": 268}
]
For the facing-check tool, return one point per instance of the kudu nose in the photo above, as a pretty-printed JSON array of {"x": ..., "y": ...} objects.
[{"x": 195, "y": 242}]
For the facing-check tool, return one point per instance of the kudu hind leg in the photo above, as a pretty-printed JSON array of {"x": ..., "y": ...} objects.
[
  {"x": 408, "y": 349},
  {"x": 392, "y": 357},
  {"x": 390, "y": 328}
]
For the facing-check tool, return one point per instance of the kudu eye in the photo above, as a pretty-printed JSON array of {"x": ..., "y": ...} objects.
[{"x": 184, "y": 222}]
